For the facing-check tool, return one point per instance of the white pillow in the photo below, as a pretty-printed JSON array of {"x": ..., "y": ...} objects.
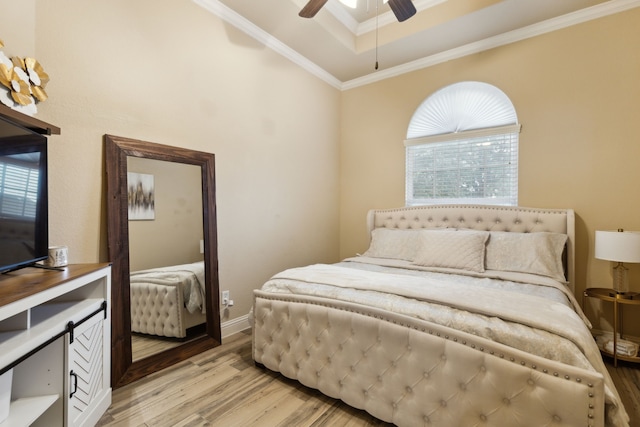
[
  {"x": 462, "y": 249},
  {"x": 393, "y": 243},
  {"x": 536, "y": 253}
]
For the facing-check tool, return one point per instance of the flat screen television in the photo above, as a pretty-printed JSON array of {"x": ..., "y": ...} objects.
[{"x": 24, "y": 229}]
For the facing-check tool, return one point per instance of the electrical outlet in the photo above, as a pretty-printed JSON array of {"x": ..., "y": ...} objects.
[{"x": 225, "y": 297}]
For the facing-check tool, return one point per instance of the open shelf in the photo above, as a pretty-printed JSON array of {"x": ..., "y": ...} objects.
[
  {"x": 26, "y": 410},
  {"x": 633, "y": 359},
  {"x": 47, "y": 320}
]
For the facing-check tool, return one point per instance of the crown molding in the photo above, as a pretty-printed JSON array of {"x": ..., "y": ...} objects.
[
  {"x": 246, "y": 26},
  {"x": 594, "y": 12}
]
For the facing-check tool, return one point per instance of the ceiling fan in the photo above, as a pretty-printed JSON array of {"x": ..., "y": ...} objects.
[{"x": 403, "y": 9}]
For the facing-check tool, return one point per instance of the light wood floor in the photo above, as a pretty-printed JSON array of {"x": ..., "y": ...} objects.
[
  {"x": 627, "y": 379},
  {"x": 144, "y": 346},
  {"x": 222, "y": 387}
]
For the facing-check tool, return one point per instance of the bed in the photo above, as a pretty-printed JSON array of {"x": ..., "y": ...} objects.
[
  {"x": 167, "y": 301},
  {"x": 456, "y": 315}
]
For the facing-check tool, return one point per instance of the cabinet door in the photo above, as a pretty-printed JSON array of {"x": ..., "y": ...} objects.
[{"x": 87, "y": 389}]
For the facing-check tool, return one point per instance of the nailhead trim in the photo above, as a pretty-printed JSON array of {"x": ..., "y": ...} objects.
[{"x": 431, "y": 332}]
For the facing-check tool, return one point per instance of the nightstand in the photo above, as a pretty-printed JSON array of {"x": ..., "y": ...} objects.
[{"x": 619, "y": 300}]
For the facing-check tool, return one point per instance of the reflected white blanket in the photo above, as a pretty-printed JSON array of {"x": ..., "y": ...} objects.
[{"x": 540, "y": 321}]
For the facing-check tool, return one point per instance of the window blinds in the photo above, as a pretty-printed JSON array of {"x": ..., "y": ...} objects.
[
  {"x": 18, "y": 190},
  {"x": 469, "y": 167}
]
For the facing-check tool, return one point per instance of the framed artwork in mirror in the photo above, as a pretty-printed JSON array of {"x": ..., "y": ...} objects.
[{"x": 140, "y": 196}]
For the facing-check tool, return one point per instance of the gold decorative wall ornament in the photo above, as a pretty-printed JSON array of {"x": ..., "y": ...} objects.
[
  {"x": 22, "y": 83},
  {"x": 38, "y": 78}
]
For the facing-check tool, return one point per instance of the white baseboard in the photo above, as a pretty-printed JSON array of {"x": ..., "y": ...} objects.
[{"x": 234, "y": 326}]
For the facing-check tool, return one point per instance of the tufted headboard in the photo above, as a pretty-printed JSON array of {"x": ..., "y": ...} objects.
[{"x": 513, "y": 219}]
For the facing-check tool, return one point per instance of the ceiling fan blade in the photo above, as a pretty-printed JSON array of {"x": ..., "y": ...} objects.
[
  {"x": 403, "y": 9},
  {"x": 311, "y": 8}
]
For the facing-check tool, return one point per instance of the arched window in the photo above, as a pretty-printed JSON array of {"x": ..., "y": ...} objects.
[{"x": 462, "y": 147}]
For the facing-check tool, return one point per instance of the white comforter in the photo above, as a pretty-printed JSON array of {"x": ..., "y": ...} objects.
[
  {"x": 542, "y": 318},
  {"x": 189, "y": 277}
]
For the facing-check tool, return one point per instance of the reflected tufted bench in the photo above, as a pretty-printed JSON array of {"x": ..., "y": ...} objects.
[{"x": 159, "y": 310}]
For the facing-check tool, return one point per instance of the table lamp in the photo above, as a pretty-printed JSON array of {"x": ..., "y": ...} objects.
[{"x": 619, "y": 246}]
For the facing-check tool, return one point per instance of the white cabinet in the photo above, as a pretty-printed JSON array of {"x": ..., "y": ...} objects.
[
  {"x": 55, "y": 334},
  {"x": 88, "y": 383}
]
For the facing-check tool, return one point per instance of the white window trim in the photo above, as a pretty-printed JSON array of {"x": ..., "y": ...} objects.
[{"x": 500, "y": 130}]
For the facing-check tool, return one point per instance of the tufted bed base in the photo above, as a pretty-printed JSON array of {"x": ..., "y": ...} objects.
[
  {"x": 413, "y": 373},
  {"x": 160, "y": 310}
]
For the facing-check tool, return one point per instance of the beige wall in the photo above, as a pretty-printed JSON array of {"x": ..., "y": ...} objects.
[
  {"x": 173, "y": 236},
  {"x": 577, "y": 95},
  {"x": 287, "y": 144},
  {"x": 172, "y": 73},
  {"x": 17, "y": 29}
]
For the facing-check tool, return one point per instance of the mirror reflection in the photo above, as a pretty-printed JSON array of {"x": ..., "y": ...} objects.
[
  {"x": 160, "y": 308},
  {"x": 166, "y": 247}
]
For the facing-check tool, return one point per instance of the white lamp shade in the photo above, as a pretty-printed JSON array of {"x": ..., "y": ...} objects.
[{"x": 619, "y": 246}]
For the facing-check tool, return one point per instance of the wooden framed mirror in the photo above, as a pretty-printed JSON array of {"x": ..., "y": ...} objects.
[{"x": 119, "y": 153}]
